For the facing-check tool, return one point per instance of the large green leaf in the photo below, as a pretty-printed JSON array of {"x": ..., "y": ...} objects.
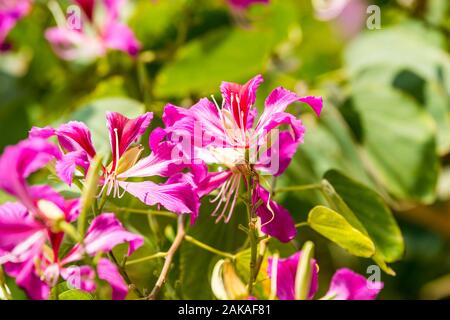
[
  {"x": 372, "y": 212},
  {"x": 335, "y": 227},
  {"x": 411, "y": 46},
  {"x": 399, "y": 141},
  {"x": 415, "y": 51}
]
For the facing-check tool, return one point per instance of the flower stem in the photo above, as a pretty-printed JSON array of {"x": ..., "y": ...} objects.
[
  {"x": 301, "y": 224},
  {"x": 125, "y": 275},
  {"x": 151, "y": 257},
  {"x": 304, "y": 187},
  {"x": 209, "y": 248},
  {"x": 252, "y": 235},
  {"x": 181, "y": 233},
  {"x": 144, "y": 211}
]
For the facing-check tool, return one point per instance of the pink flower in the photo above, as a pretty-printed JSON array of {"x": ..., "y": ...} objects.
[
  {"x": 345, "y": 284},
  {"x": 30, "y": 226},
  {"x": 231, "y": 137},
  {"x": 348, "y": 16},
  {"x": 176, "y": 194},
  {"x": 244, "y": 4},
  {"x": 11, "y": 11},
  {"x": 91, "y": 35}
]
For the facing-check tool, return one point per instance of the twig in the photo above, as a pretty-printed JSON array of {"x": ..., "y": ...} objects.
[
  {"x": 209, "y": 248},
  {"x": 153, "y": 256},
  {"x": 298, "y": 188},
  {"x": 169, "y": 257},
  {"x": 144, "y": 211},
  {"x": 125, "y": 275}
]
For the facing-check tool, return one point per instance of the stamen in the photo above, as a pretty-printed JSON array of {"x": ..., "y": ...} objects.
[
  {"x": 230, "y": 213},
  {"x": 223, "y": 192},
  {"x": 228, "y": 197},
  {"x": 271, "y": 211},
  {"x": 123, "y": 193},
  {"x": 216, "y": 104},
  {"x": 222, "y": 189},
  {"x": 110, "y": 187},
  {"x": 103, "y": 187}
]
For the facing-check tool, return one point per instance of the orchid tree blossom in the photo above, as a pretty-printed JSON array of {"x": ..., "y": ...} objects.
[
  {"x": 31, "y": 236},
  {"x": 91, "y": 35},
  {"x": 244, "y": 4},
  {"x": 244, "y": 149},
  {"x": 177, "y": 195},
  {"x": 345, "y": 284},
  {"x": 11, "y": 11}
]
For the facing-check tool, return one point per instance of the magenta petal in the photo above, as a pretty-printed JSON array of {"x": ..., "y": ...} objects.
[
  {"x": 212, "y": 181},
  {"x": 173, "y": 114},
  {"x": 72, "y": 136},
  {"x": 108, "y": 271},
  {"x": 175, "y": 197},
  {"x": 284, "y": 144},
  {"x": 348, "y": 285},
  {"x": 276, "y": 222},
  {"x": 161, "y": 162},
  {"x": 126, "y": 131},
  {"x": 316, "y": 103},
  {"x": 75, "y": 139},
  {"x": 279, "y": 99},
  {"x": 79, "y": 277},
  {"x": 28, "y": 279},
  {"x": 16, "y": 225},
  {"x": 286, "y": 273},
  {"x": 244, "y": 4},
  {"x": 120, "y": 37},
  {"x": 72, "y": 44},
  {"x": 72, "y": 209},
  {"x": 208, "y": 122},
  {"x": 21, "y": 160},
  {"x": 10, "y": 13},
  {"x": 104, "y": 233},
  {"x": 66, "y": 167},
  {"x": 240, "y": 98},
  {"x": 156, "y": 136}
]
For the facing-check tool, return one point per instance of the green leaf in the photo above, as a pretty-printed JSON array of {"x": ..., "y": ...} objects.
[
  {"x": 93, "y": 115},
  {"x": 373, "y": 213},
  {"x": 75, "y": 294},
  {"x": 411, "y": 46},
  {"x": 217, "y": 55},
  {"x": 230, "y": 54},
  {"x": 336, "y": 228},
  {"x": 399, "y": 141}
]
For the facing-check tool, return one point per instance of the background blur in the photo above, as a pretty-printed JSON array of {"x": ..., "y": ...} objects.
[{"x": 386, "y": 121}]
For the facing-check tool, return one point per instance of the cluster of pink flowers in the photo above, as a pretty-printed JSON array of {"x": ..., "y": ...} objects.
[
  {"x": 218, "y": 157},
  {"x": 31, "y": 236}
]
